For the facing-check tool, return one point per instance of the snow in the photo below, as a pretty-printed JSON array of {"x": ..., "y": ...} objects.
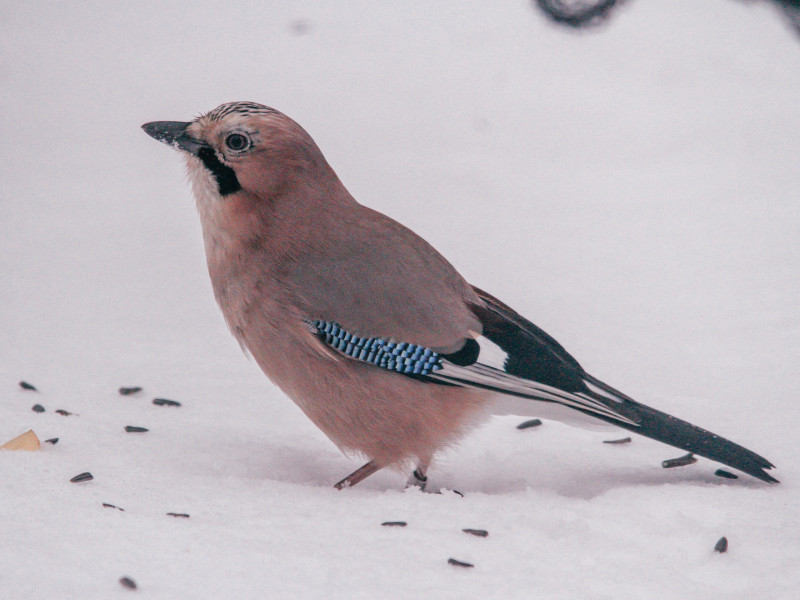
[{"x": 633, "y": 190}]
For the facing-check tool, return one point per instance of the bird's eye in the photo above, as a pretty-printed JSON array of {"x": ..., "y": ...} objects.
[{"x": 237, "y": 142}]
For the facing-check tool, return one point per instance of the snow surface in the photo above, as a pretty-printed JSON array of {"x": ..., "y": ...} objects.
[{"x": 633, "y": 190}]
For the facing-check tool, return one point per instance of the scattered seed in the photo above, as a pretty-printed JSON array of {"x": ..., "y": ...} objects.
[
  {"x": 165, "y": 402},
  {"x": 181, "y": 515},
  {"x": 459, "y": 493},
  {"x": 82, "y": 477},
  {"x": 478, "y": 532},
  {"x": 529, "y": 424},
  {"x": 721, "y": 545},
  {"x": 133, "y": 429},
  {"x": 725, "y": 474},
  {"x": 394, "y": 524},
  {"x": 127, "y": 582},
  {"x": 107, "y": 505},
  {"x": 127, "y": 391},
  {"x": 27, "y": 386},
  {"x": 458, "y": 563},
  {"x": 53, "y": 441},
  {"x": 66, "y": 413},
  {"x": 689, "y": 459},
  {"x": 626, "y": 440},
  {"x": 37, "y": 408}
]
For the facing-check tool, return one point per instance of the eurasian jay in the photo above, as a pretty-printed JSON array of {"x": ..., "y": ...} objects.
[{"x": 374, "y": 335}]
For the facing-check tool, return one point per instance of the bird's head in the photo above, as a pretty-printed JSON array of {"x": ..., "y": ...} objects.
[{"x": 244, "y": 148}]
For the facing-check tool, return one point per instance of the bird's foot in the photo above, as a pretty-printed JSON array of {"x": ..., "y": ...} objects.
[{"x": 418, "y": 479}]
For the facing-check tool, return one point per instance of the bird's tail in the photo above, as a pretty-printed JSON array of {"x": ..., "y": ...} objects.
[{"x": 665, "y": 428}]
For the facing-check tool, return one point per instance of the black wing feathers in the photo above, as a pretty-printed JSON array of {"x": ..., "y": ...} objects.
[{"x": 532, "y": 354}]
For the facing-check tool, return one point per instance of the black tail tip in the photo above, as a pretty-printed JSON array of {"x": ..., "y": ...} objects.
[
  {"x": 764, "y": 476},
  {"x": 759, "y": 471}
]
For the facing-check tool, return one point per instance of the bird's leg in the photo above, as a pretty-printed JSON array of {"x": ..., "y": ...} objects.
[
  {"x": 358, "y": 475},
  {"x": 419, "y": 477}
]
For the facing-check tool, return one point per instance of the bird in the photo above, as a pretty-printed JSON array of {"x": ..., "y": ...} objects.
[{"x": 362, "y": 323}]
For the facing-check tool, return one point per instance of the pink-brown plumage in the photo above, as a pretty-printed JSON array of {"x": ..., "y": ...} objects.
[
  {"x": 288, "y": 249},
  {"x": 294, "y": 245}
]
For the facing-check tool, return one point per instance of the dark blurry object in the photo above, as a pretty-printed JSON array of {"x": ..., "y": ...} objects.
[
  {"x": 581, "y": 14},
  {"x": 577, "y": 13},
  {"x": 37, "y": 408},
  {"x": 127, "y": 582},
  {"x": 529, "y": 424},
  {"x": 721, "y": 545},
  {"x": 791, "y": 8},
  {"x": 134, "y": 429},
  {"x": 300, "y": 27},
  {"x": 27, "y": 386}
]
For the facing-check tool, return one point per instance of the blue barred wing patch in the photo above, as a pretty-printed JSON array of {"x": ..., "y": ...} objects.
[{"x": 402, "y": 357}]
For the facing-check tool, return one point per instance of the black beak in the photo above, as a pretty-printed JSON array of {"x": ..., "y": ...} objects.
[{"x": 174, "y": 134}]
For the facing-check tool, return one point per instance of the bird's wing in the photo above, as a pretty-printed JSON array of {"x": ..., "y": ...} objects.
[
  {"x": 512, "y": 357},
  {"x": 376, "y": 278},
  {"x": 515, "y": 357}
]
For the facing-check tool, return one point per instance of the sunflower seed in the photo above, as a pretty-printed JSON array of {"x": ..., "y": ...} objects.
[
  {"x": 721, "y": 545},
  {"x": 127, "y": 391},
  {"x": 133, "y": 429},
  {"x": 66, "y": 413},
  {"x": 626, "y": 440},
  {"x": 725, "y": 474},
  {"x": 529, "y": 424},
  {"x": 182, "y": 515},
  {"x": 37, "y": 408},
  {"x": 52, "y": 441},
  {"x": 107, "y": 505},
  {"x": 458, "y": 563},
  {"x": 478, "y": 532},
  {"x": 165, "y": 402},
  {"x": 27, "y": 386},
  {"x": 689, "y": 459},
  {"x": 394, "y": 524},
  {"x": 127, "y": 582},
  {"x": 82, "y": 477}
]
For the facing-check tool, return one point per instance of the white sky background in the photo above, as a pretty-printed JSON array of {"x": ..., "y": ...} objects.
[{"x": 633, "y": 190}]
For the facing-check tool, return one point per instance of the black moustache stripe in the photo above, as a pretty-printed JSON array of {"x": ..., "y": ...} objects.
[{"x": 227, "y": 183}]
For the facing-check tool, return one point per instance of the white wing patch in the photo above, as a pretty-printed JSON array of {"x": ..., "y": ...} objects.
[{"x": 491, "y": 355}]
